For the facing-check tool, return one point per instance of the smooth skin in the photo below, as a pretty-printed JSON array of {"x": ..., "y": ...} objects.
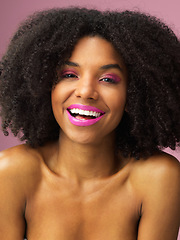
[{"x": 78, "y": 188}]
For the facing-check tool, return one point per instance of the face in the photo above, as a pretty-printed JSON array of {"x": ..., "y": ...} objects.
[{"x": 89, "y": 100}]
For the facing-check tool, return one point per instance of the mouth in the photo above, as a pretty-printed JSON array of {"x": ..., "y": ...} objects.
[{"x": 82, "y": 115}]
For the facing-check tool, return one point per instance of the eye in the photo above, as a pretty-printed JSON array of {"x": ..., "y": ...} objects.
[
  {"x": 110, "y": 78},
  {"x": 68, "y": 74}
]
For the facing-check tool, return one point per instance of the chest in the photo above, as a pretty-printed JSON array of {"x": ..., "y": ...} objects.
[{"x": 108, "y": 213}]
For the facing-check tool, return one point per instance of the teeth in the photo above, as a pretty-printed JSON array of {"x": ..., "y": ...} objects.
[{"x": 84, "y": 112}]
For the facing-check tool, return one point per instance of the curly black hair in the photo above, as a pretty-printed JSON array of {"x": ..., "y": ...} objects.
[{"x": 151, "y": 53}]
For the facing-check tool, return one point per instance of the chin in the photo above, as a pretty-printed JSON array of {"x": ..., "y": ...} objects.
[
  {"x": 89, "y": 138},
  {"x": 81, "y": 139}
]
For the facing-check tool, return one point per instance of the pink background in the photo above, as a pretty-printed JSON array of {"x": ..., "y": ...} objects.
[{"x": 12, "y": 12}]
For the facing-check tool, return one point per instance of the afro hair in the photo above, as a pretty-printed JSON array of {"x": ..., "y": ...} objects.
[{"x": 149, "y": 49}]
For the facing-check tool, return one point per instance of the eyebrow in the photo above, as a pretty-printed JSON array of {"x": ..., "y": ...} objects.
[
  {"x": 109, "y": 66},
  {"x": 104, "y": 67},
  {"x": 72, "y": 64}
]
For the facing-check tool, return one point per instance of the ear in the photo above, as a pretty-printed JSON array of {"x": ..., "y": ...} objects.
[{"x": 126, "y": 108}]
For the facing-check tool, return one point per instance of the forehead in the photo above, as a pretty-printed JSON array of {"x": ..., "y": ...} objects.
[{"x": 95, "y": 49}]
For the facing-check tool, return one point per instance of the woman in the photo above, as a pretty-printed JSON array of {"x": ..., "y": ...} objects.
[{"x": 96, "y": 97}]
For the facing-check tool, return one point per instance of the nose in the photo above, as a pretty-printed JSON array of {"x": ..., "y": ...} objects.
[{"x": 86, "y": 88}]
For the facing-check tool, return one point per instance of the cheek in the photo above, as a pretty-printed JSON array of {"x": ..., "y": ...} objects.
[
  {"x": 117, "y": 106},
  {"x": 58, "y": 94},
  {"x": 117, "y": 100},
  {"x": 62, "y": 91},
  {"x": 56, "y": 100},
  {"x": 54, "y": 97}
]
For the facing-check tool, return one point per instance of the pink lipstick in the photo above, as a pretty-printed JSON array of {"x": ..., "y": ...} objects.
[{"x": 83, "y": 115}]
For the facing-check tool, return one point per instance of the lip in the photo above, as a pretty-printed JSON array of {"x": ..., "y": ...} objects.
[
  {"x": 85, "y": 108},
  {"x": 83, "y": 123}
]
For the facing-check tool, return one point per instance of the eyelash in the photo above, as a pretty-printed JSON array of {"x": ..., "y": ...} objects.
[
  {"x": 68, "y": 75},
  {"x": 107, "y": 79}
]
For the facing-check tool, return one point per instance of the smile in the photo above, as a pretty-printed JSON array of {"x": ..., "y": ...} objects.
[{"x": 83, "y": 115}]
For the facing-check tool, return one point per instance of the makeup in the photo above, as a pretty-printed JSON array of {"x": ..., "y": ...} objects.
[
  {"x": 83, "y": 115},
  {"x": 68, "y": 74},
  {"x": 110, "y": 78}
]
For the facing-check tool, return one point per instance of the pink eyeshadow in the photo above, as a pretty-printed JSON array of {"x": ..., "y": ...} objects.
[{"x": 114, "y": 77}]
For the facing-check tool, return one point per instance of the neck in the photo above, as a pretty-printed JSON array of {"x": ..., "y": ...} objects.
[{"x": 82, "y": 162}]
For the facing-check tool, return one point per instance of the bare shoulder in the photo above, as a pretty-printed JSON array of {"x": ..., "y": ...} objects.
[
  {"x": 20, "y": 157},
  {"x": 18, "y": 177},
  {"x": 19, "y": 165},
  {"x": 157, "y": 179},
  {"x": 156, "y": 182},
  {"x": 161, "y": 168}
]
